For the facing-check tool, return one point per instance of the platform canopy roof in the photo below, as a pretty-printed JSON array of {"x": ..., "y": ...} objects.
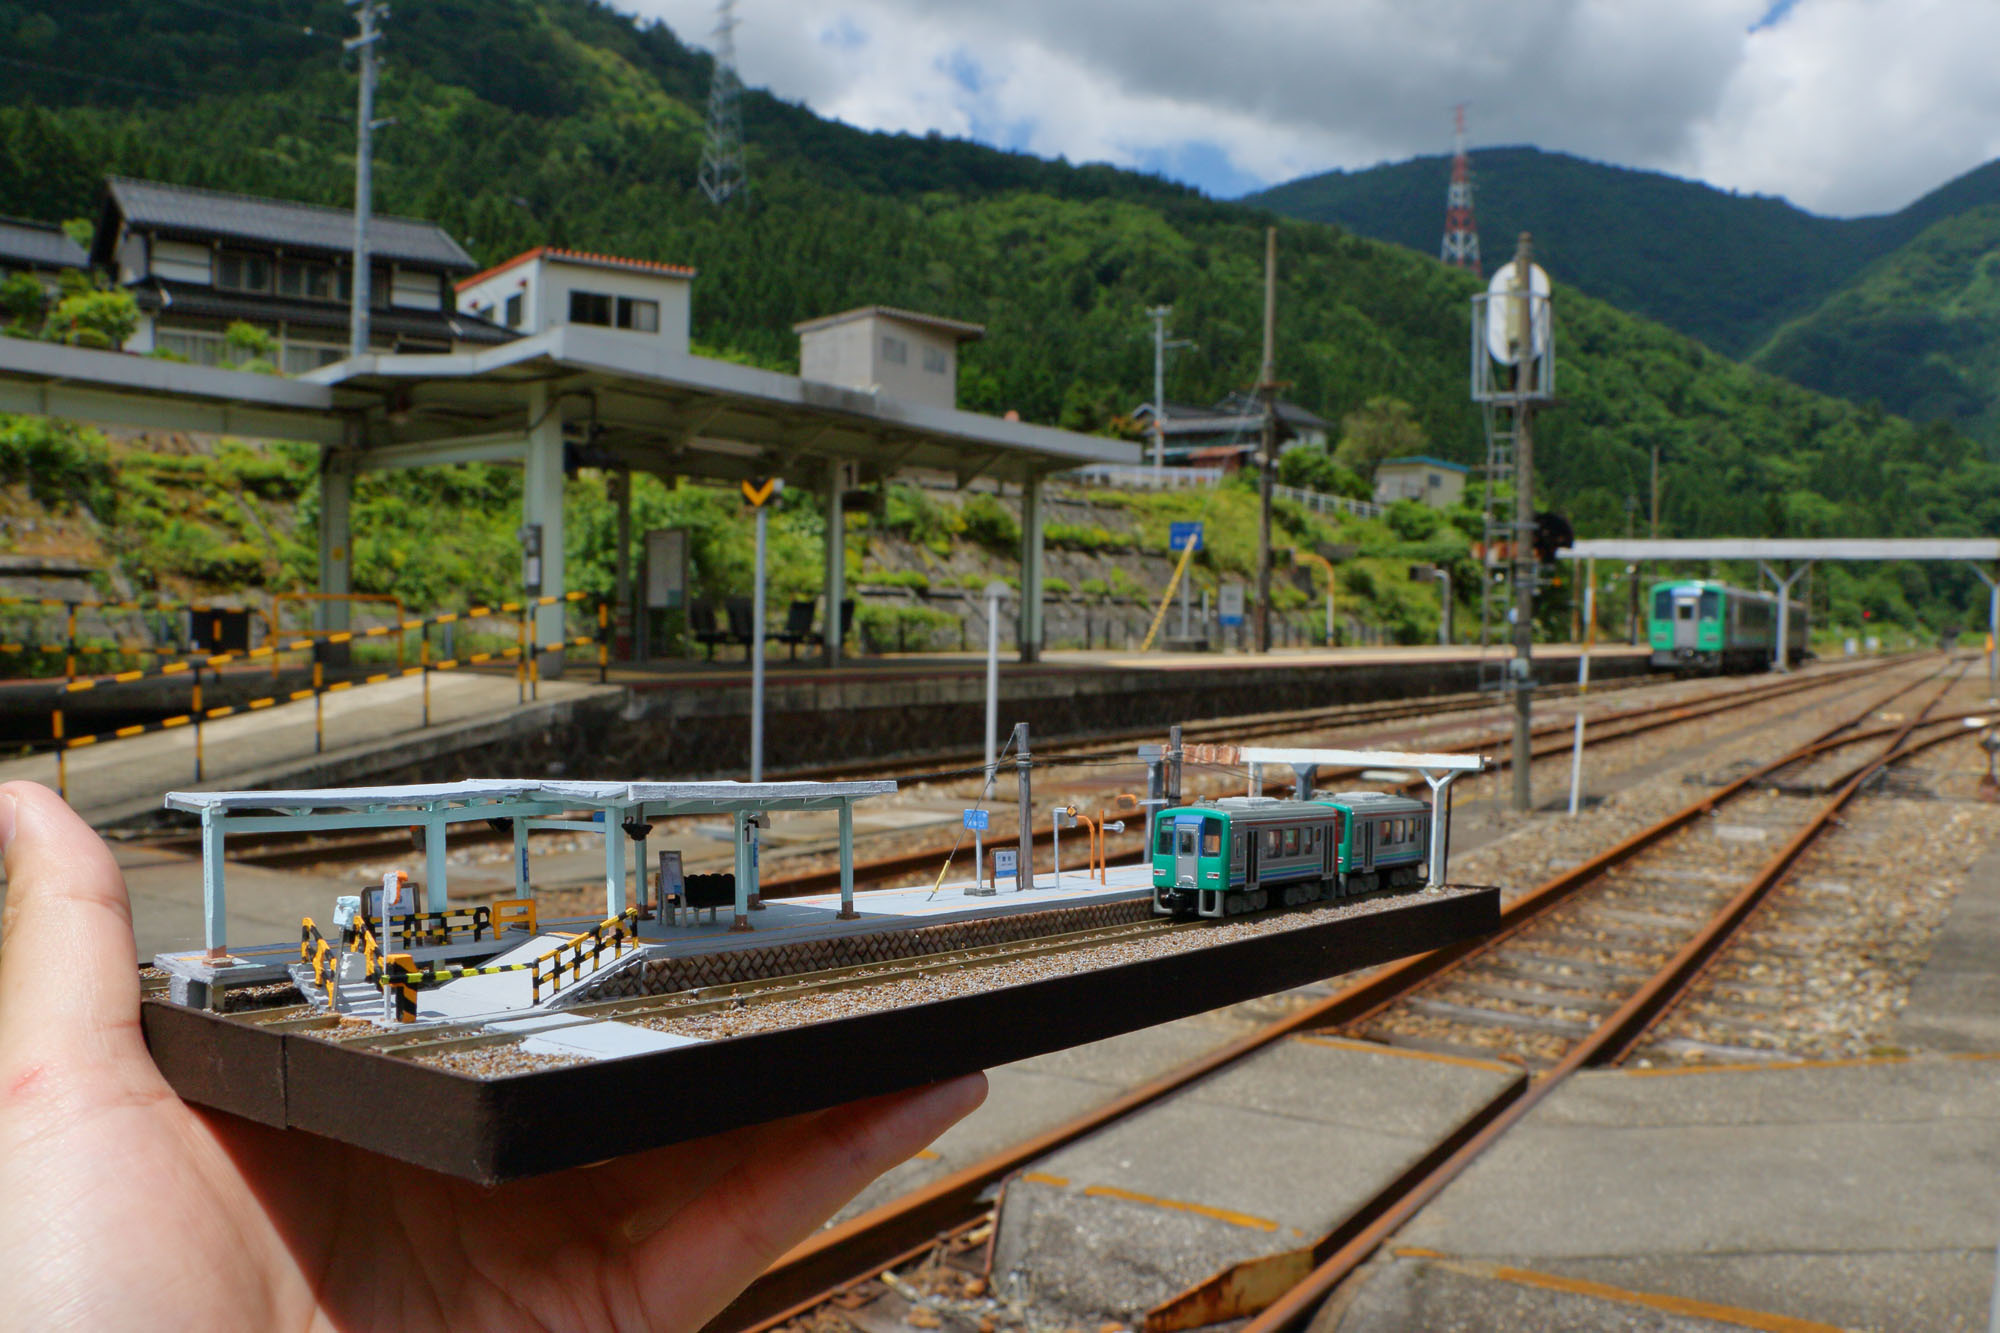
[
  {"x": 476, "y": 797},
  {"x": 654, "y": 409},
  {"x": 1786, "y": 548},
  {"x": 628, "y": 403}
]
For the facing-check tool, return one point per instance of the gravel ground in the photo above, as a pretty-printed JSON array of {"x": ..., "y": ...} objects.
[
  {"x": 497, "y": 1061},
  {"x": 1824, "y": 967}
]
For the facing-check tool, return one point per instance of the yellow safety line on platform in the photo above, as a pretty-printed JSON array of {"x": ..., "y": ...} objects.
[
  {"x": 1230, "y": 1216},
  {"x": 1650, "y": 1300},
  {"x": 1374, "y": 1048}
]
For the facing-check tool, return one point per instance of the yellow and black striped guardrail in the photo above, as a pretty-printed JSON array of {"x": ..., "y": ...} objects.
[
  {"x": 400, "y": 972},
  {"x": 524, "y": 655}
]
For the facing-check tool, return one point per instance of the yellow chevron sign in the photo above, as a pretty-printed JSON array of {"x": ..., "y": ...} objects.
[{"x": 759, "y": 496}]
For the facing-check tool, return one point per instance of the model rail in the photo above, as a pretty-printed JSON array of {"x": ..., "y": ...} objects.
[{"x": 844, "y": 1256}]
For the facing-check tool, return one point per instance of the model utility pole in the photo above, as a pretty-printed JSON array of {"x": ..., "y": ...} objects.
[
  {"x": 1267, "y": 385},
  {"x": 365, "y": 125}
]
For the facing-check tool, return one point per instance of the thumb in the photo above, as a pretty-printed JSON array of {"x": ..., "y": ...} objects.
[{"x": 67, "y": 959}]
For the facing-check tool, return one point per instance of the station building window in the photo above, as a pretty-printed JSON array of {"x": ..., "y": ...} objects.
[
  {"x": 895, "y": 351},
  {"x": 935, "y": 360},
  {"x": 514, "y": 310}
]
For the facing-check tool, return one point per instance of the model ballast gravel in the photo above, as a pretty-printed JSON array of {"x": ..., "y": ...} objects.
[{"x": 1246, "y": 853}]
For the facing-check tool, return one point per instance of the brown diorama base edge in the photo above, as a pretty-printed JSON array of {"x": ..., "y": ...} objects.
[{"x": 496, "y": 1129}]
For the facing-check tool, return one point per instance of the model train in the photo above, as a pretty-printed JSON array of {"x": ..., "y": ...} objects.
[
  {"x": 1245, "y": 853},
  {"x": 1700, "y": 626}
]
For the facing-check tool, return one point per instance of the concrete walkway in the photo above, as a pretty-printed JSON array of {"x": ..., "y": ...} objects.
[{"x": 115, "y": 779}]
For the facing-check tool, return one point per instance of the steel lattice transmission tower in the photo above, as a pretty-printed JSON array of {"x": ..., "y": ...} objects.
[
  {"x": 1461, "y": 233},
  {"x": 723, "y": 173}
]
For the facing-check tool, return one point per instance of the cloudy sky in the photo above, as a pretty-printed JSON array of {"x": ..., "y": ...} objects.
[{"x": 1843, "y": 106}]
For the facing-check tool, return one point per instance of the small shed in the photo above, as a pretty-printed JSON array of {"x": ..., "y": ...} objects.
[{"x": 1420, "y": 477}]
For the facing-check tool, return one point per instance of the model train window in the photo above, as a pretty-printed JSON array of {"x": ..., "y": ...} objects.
[
  {"x": 1166, "y": 840},
  {"x": 1663, "y": 605},
  {"x": 1211, "y": 837},
  {"x": 1291, "y": 842},
  {"x": 1711, "y": 603},
  {"x": 1187, "y": 840},
  {"x": 1684, "y": 611}
]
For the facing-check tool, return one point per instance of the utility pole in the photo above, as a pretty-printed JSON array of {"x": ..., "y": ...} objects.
[
  {"x": 365, "y": 126},
  {"x": 1268, "y": 456},
  {"x": 1161, "y": 345},
  {"x": 1525, "y": 569}
]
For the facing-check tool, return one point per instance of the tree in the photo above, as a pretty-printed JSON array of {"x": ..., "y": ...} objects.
[
  {"x": 1380, "y": 428},
  {"x": 1312, "y": 470},
  {"x": 251, "y": 348},
  {"x": 24, "y": 304},
  {"x": 94, "y": 319}
]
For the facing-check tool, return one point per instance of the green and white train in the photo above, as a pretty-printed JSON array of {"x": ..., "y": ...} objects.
[
  {"x": 1699, "y": 626},
  {"x": 1246, "y": 853}
]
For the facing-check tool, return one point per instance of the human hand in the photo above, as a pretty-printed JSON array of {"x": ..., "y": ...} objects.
[{"x": 127, "y": 1208}]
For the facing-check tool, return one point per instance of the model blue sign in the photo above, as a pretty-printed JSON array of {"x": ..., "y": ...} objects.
[
  {"x": 976, "y": 820},
  {"x": 1180, "y": 534}
]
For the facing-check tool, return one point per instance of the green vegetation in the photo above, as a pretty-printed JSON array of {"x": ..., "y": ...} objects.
[
  {"x": 1722, "y": 267},
  {"x": 522, "y": 122}
]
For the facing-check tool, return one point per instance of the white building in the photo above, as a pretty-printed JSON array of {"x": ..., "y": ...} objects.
[
  {"x": 544, "y": 287},
  {"x": 1420, "y": 477},
  {"x": 899, "y": 353}
]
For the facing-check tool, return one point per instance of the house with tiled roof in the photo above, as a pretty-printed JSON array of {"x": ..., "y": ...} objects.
[
  {"x": 546, "y": 286},
  {"x": 40, "y": 249},
  {"x": 199, "y": 260}
]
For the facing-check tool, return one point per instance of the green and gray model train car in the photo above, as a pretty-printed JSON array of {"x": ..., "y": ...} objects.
[
  {"x": 1246, "y": 853},
  {"x": 1701, "y": 626}
]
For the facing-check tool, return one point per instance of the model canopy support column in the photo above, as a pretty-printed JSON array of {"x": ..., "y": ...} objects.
[
  {"x": 836, "y": 566},
  {"x": 1992, "y": 635},
  {"x": 1780, "y": 659},
  {"x": 336, "y": 535},
  {"x": 542, "y": 508},
  {"x": 1031, "y": 568}
]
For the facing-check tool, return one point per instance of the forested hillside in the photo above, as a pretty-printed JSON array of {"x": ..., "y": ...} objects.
[
  {"x": 1917, "y": 331},
  {"x": 529, "y": 121},
  {"x": 1726, "y": 268}
]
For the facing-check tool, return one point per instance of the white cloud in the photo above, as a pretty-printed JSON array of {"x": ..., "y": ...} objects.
[{"x": 1842, "y": 105}]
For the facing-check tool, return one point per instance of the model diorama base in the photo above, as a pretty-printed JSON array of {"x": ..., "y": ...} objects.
[{"x": 597, "y": 1084}]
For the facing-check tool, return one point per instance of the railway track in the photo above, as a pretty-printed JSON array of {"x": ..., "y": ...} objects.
[
  {"x": 830, "y": 1268},
  {"x": 289, "y": 851}
]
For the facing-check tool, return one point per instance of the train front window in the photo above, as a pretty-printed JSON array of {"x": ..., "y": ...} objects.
[
  {"x": 1663, "y": 605},
  {"x": 1711, "y": 604},
  {"x": 1684, "y": 611},
  {"x": 1211, "y": 837},
  {"x": 1165, "y": 844},
  {"x": 1186, "y": 834}
]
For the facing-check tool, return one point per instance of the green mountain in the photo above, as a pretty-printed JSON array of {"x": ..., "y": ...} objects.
[
  {"x": 520, "y": 122},
  {"x": 1726, "y": 268},
  {"x": 1917, "y": 331}
]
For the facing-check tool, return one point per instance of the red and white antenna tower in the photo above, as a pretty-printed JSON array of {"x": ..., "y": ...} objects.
[{"x": 1461, "y": 233}]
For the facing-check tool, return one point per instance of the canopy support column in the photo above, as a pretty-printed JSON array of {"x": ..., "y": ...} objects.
[
  {"x": 434, "y": 864},
  {"x": 214, "y": 903},
  {"x": 614, "y": 863},
  {"x": 1780, "y": 659},
  {"x": 1304, "y": 778},
  {"x": 336, "y": 539},
  {"x": 542, "y": 507},
  {"x": 847, "y": 912},
  {"x": 1992, "y": 630},
  {"x": 1031, "y": 568},
  {"x": 836, "y": 568},
  {"x": 1440, "y": 827}
]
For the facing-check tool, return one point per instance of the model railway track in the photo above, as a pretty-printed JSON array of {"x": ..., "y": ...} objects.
[
  {"x": 743, "y": 995},
  {"x": 831, "y": 1265},
  {"x": 286, "y": 851}
]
